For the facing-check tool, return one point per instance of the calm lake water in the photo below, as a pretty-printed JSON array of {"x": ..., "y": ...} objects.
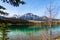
[{"x": 26, "y": 31}]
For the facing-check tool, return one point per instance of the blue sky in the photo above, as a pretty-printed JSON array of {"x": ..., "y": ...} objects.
[{"x": 37, "y": 7}]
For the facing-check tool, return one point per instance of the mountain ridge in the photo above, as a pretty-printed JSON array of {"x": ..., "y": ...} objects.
[{"x": 30, "y": 16}]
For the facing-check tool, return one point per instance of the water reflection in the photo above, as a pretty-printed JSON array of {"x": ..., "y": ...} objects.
[{"x": 25, "y": 32}]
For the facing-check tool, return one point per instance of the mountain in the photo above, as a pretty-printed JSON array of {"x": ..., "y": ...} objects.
[
  {"x": 44, "y": 18},
  {"x": 30, "y": 16},
  {"x": 2, "y": 17}
]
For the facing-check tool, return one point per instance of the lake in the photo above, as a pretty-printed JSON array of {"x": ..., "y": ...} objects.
[{"x": 27, "y": 32}]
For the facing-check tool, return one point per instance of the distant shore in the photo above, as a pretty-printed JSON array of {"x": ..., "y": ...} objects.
[
  {"x": 44, "y": 22},
  {"x": 11, "y": 21}
]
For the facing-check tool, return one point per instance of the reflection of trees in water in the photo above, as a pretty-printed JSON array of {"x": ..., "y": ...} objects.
[{"x": 31, "y": 35}]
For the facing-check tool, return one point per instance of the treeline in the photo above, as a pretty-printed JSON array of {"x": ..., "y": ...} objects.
[{"x": 14, "y": 21}]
